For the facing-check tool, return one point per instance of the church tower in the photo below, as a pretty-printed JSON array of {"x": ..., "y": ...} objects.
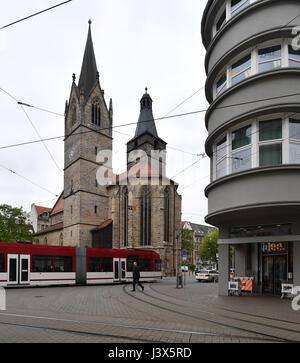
[
  {"x": 146, "y": 137},
  {"x": 88, "y": 123}
]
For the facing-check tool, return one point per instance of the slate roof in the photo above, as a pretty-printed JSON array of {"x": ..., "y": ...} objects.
[
  {"x": 89, "y": 72},
  {"x": 199, "y": 229},
  {"x": 146, "y": 120}
]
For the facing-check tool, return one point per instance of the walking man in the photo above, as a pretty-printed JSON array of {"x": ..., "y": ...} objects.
[{"x": 136, "y": 277}]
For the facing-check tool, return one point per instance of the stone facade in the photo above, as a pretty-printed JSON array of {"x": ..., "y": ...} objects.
[
  {"x": 127, "y": 229},
  {"x": 86, "y": 205}
]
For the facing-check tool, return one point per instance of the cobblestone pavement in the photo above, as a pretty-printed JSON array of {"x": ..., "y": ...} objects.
[{"x": 160, "y": 314}]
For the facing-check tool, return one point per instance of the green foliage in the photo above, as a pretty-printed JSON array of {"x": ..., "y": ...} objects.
[
  {"x": 192, "y": 267},
  {"x": 209, "y": 248},
  {"x": 187, "y": 240},
  {"x": 13, "y": 225}
]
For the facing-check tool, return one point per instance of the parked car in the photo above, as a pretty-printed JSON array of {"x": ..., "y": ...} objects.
[
  {"x": 207, "y": 275},
  {"x": 184, "y": 268}
]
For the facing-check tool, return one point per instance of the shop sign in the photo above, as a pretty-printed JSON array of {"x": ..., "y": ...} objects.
[{"x": 273, "y": 247}]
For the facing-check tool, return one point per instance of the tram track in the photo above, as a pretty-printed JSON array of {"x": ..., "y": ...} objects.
[
  {"x": 236, "y": 312},
  {"x": 78, "y": 332},
  {"x": 112, "y": 325},
  {"x": 262, "y": 336}
]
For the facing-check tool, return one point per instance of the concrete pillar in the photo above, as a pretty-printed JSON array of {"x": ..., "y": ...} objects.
[
  {"x": 296, "y": 263},
  {"x": 224, "y": 267},
  {"x": 240, "y": 261}
]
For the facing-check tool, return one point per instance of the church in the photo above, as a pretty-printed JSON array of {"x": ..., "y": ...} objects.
[{"x": 139, "y": 209}]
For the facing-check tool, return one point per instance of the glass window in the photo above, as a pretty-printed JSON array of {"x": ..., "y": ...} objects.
[
  {"x": 238, "y": 5},
  {"x": 241, "y": 69},
  {"x": 270, "y": 130},
  {"x": 294, "y": 57},
  {"x": 158, "y": 265},
  {"x": 222, "y": 169},
  {"x": 222, "y": 83},
  {"x": 269, "y": 58},
  {"x": 241, "y": 137},
  {"x": 221, "y": 149},
  {"x": 130, "y": 261},
  {"x": 94, "y": 264},
  {"x": 42, "y": 263},
  {"x": 221, "y": 21},
  {"x": 294, "y": 129},
  {"x": 106, "y": 264},
  {"x": 63, "y": 263},
  {"x": 2, "y": 264},
  {"x": 221, "y": 154},
  {"x": 270, "y": 155},
  {"x": 145, "y": 265},
  {"x": 294, "y": 153},
  {"x": 241, "y": 160}
]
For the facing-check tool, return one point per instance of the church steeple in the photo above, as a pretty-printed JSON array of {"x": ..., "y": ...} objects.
[
  {"x": 89, "y": 72},
  {"x": 146, "y": 136},
  {"x": 146, "y": 120}
]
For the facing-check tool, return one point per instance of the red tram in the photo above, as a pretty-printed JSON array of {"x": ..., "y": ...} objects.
[{"x": 36, "y": 265}]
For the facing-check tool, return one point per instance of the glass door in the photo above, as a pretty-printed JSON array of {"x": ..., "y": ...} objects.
[
  {"x": 18, "y": 269},
  {"x": 280, "y": 272},
  {"x": 120, "y": 269},
  {"x": 12, "y": 269},
  {"x": 24, "y": 269},
  {"x": 268, "y": 275},
  {"x": 123, "y": 269},
  {"x": 274, "y": 273},
  {"x": 116, "y": 269}
]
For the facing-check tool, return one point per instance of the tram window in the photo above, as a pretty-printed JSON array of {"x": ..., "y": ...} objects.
[
  {"x": 106, "y": 264},
  {"x": 42, "y": 263},
  {"x": 94, "y": 264},
  {"x": 130, "y": 261},
  {"x": 145, "y": 265},
  {"x": 2, "y": 265},
  {"x": 63, "y": 263},
  {"x": 157, "y": 265}
]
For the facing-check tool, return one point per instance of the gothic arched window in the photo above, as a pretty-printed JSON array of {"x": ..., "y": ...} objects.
[
  {"x": 166, "y": 215},
  {"x": 125, "y": 216},
  {"x": 96, "y": 113},
  {"x": 74, "y": 114},
  {"x": 146, "y": 209}
]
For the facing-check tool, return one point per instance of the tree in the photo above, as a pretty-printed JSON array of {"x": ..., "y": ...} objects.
[
  {"x": 14, "y": 225},
  {"x": 187, "y": 241},
  {"x": 209, "y": 248}
]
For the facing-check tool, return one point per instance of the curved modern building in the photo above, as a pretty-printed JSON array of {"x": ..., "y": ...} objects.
[{"x": 253, "y": 122}]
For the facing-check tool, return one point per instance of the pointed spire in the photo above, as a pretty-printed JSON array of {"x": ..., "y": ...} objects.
[
  {"x": 89, "y": 72},
  {"x": 146, "y": 121}
]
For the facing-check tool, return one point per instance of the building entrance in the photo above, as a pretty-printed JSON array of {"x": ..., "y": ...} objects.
[{"x": 275, "y": 269}]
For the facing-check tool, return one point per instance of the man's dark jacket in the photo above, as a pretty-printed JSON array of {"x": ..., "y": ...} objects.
[{"x": 136, "y": 272}]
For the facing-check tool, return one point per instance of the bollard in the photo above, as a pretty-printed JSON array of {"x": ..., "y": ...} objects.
[{"x": 2, "y": 299}]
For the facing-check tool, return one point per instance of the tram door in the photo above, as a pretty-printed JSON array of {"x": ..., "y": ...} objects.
[
  {"x": 120, "y": 269},
  {"x": 18, "y": 269}
]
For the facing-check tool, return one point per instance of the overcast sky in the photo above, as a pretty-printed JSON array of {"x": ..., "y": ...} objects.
[{"x": 138, "y": 43}]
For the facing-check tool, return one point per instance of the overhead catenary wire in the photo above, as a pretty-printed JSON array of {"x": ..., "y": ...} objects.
[
  {"x": 167, "y": 114},
  {"x": 248, "y": 159},
  {"x": 37, "y": 132},
  {"x": 23, "y": 104},
  {"x": 28, "y": 180},
  {"x": 35, "y": 14},
  {"x": 157, "y": 119}
]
